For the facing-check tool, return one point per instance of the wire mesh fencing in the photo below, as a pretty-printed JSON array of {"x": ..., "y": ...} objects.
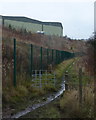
[
  {"x": 83, "y": 89},
  {"x": 20, "y": 59},
  {"x": 41, "y": 78}
]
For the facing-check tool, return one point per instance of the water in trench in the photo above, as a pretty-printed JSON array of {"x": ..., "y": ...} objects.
[{"x": 35, "y": 106}]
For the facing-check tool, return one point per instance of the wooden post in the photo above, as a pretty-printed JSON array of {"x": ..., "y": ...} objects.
[
  {"x": 31, "y": 60},
  {"x": 66, "y": 80},
  {"x": 80, "y": 86},
  {"x": 14, "y": 79}
]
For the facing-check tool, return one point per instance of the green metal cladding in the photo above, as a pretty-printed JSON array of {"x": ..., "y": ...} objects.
[{"x": 49, "y": 28}]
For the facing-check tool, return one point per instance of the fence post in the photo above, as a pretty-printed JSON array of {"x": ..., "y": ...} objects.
[
  {"x": 14, "y": 79},
  {"x": 41, "y": 58},
  {"x": 60, "y": 56},
  {"x": 40, "y": 79},
  {"x": 63, "y": 55},
  {"x": 47, "y": 56},
  {"x": 56, "y": 57},
  {"x": 52, "y": 55},
  {"x": 80, "y": 86},
  {"x": 31, "y": 60},
  {"x": 66, "y": 80}
]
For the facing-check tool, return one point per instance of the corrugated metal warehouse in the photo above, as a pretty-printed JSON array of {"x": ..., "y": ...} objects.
[{"x": 34, "y": 26}]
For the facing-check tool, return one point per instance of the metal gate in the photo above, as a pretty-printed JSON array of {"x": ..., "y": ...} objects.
[{"x": 40, "y": 78}]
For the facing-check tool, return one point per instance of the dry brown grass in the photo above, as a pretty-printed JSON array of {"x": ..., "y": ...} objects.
[
  {"x": 69, "y": 104},
  {"x": 52, "y": 42}
]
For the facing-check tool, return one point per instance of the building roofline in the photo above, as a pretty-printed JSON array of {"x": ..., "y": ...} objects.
[{"x": 26, "y": 19}]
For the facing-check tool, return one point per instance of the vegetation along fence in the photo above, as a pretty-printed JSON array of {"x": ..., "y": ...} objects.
[{"x": 21, "y": 59}]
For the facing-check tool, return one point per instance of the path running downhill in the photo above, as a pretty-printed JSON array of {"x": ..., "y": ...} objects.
[{"x": 35, "y": 106}]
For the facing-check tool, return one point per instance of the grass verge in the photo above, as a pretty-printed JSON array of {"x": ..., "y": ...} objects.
[
  {"x": 67, "y": 106},
  {"x": 20, "y": 97}
]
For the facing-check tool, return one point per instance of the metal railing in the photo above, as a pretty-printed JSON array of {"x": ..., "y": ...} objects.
[{"x": 40, "y": 78}]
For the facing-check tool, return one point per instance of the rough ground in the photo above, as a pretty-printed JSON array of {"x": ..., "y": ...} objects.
[{"x": 51, "y": 42}]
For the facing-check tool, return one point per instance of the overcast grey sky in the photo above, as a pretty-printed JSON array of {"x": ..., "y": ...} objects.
[{"x": 77, "y": 18}]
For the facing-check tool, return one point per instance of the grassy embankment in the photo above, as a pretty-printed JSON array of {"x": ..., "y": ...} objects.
[
  {"x": 18, "y": 98},
  {"x": 68, "y": 105}
]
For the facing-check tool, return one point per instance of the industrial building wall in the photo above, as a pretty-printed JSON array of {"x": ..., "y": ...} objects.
[
  {"x": 0, "y": 20},
  {"x": 33, "y": 27},
  {"x": 24, "y": 25},
  {"x": 52, "y": 30}
]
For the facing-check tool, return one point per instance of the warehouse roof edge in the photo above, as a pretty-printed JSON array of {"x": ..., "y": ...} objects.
[{"x": 26, "y": 19}]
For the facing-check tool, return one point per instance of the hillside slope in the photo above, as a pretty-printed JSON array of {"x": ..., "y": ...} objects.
[{"x": 52, "y": 42}]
